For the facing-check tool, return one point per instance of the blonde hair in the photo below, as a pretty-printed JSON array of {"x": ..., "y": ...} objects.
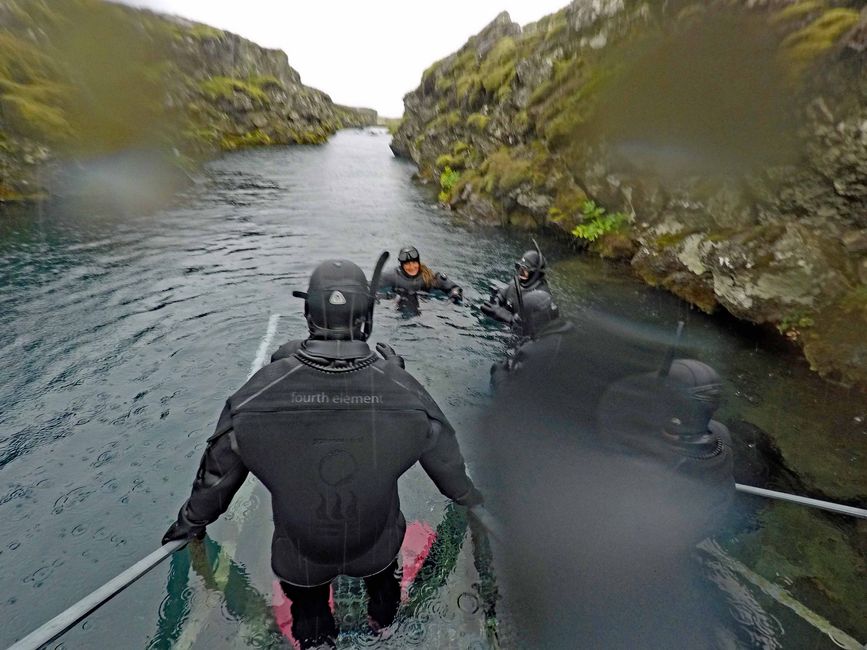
[{"x": 427, "y": 276}]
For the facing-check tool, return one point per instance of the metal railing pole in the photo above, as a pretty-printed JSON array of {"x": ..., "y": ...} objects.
[
  {"x": 804, "y": 501},
  {"x": 66, "y": 619}
]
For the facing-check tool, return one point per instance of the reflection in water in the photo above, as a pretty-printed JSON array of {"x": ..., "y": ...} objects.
[{"x": 428, "y": 559}]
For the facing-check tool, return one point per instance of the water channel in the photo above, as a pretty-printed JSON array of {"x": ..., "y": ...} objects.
[{"x": 121, "y": 335}]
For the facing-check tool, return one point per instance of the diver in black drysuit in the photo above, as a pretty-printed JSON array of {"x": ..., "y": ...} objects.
[
  {"x": 530, "y": 272},
  {"x": 603, "y": 476},
  {"x": 328, "y": 427},
  {"x": 412, "y": 277},
  {"x": 541, "y": 335}
]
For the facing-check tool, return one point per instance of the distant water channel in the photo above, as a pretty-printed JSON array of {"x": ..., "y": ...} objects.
[{"x": 122, "y": 335}]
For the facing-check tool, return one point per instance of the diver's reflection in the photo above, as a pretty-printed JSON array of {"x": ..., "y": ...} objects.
[
  {"x": 313, "y": 623},
  {"x": 408, "y": 304},
  {"x": 221, "y": 575}
]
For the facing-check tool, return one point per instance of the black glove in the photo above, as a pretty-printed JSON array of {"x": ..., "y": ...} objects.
[
  {"x": 456, "y": 295},
  {"x": 497, "y": 312},
  {"x": 387, "y": 352},
  {"x": 183, "y": 529}
]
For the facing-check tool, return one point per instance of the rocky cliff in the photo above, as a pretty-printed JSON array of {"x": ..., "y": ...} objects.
[
  {"x": 85, "y": 78},
  {"x": 719, "y": 147}
]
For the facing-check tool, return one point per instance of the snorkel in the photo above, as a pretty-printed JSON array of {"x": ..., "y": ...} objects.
[
  {"x": 367, "y": 327},
  {"x": 669, "y": 356}
]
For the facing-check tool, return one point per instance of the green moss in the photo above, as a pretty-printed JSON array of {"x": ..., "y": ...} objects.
[
  {"x": 797, "y": 10},
  {"x": 522, "y": 220},
  {"x": 571, "y": 104},
  {"x": 504, "y": 172},
  {"x": 204, "y": 32},
  {"x": 792, "y": 324},
  {"x": 9, "y": 194},
  {"x": 478, "y": 122},
  {"x": 805, "y": 45},
  {"x": 265, "y": 82},
  {"x": 521, "y": 122},
  {"x": 443, "y": 84},
  {"x": 202, "y": 137},
  {"x": 23, "y": 62},
  {"x": 448, "y": 180},
  {"x": 669, "y": 240},
  {"x": 460, "y": 147},
  {"x": 317, "y": 135},
  {"x": 504, "y": 49},
  {"x": 498, "y": 67},
  {"x": 42, "y": 92},
  {"x": 541, "y": 92},
  {"x": 469, "y": 88},
  {"x": 469, "y": 177},
  {"x": 568, "y": 204},
  {"x": 615, "y": 245},
  {"x": 37, "y": 119},
  {"x": 447, "y": 160},
  {"x": 226, "y": 87},
  {"x": 466, "y": 60},
  {"x": 256, "y": 138},
  {"x": 495, "y": 78}
]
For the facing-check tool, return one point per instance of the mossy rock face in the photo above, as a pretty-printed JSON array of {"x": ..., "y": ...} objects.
[
  {"x": 478, "y": 122},
  {"x": 664, "y": 272},
  {"x": 835, "y": 343},
  {"x": 81, "y": 78},
  {"x": 683, "y": 111},
  {"x": 615, "y": 245}
]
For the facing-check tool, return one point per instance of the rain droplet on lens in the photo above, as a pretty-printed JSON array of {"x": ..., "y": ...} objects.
[{"x": 468, "y": 602}]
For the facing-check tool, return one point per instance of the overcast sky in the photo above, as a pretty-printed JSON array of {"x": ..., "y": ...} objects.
[{"x": 361, "y": 53}]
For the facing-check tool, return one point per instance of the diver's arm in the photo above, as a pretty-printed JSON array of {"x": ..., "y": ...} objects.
[
  {"x": 221, "y": 473},
  {"x": 387, "y": 281},
  {"x": 444, "y": 464},
  {"x": 497, "y": 312},
  {"x": 442, "y": 282}
]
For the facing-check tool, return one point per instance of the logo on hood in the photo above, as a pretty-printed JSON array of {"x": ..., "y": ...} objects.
[{"x": 337, "y": 298}]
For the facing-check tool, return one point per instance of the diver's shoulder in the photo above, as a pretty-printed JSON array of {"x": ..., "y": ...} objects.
[{"x": 287, "y": 350}]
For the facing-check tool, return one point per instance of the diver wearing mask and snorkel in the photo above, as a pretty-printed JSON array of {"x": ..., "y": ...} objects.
[
  {"x": 412, "y": 277},
  {"x": 504, "y": 304}
]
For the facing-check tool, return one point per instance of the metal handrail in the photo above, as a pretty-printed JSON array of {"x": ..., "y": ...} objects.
[
  {"x": 69, "y": 617},
  {"x": 804, "y": 501},
  {"x": 65, "y": 620}
]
